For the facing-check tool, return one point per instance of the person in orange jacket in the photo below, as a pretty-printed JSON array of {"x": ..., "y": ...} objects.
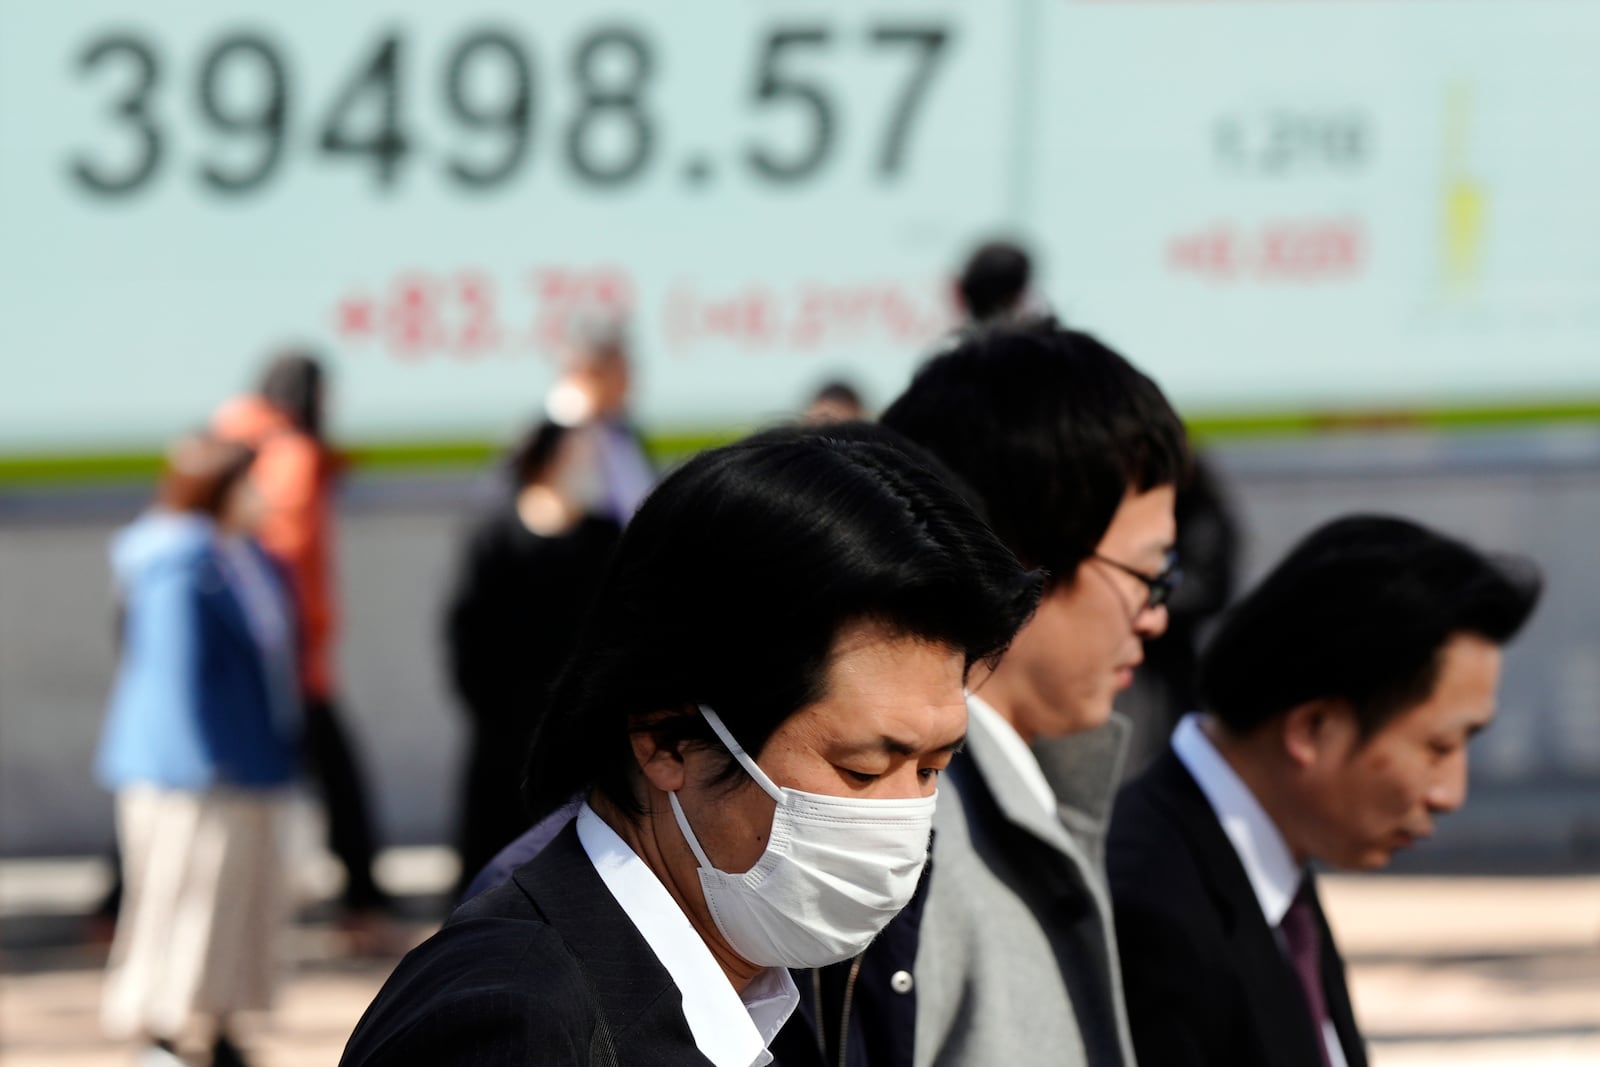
[{"x": 294, "y": 473}]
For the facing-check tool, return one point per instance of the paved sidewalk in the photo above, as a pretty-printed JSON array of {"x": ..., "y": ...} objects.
[
  {"x": 1480, "y": 971},
  {"x": 1457, "y": 971}
]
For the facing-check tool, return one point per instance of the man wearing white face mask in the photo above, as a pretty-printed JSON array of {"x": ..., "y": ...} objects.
[{"x": 754, "y": 719}]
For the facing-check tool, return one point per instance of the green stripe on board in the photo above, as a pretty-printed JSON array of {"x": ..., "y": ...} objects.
[
  {"x": 1223, "y": 427},
  {"x": 71, "y": 468},
  {"x": 67, "y": 468}
]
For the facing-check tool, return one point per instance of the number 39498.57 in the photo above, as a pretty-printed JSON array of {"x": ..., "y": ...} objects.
[{"x": 489, "y": 88}]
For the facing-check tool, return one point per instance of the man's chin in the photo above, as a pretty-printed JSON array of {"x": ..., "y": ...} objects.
[
  {"x": 1375, "y": 858},
  {"x": 1095, "y": 716},
  {"x": 1077, "y": 720}
]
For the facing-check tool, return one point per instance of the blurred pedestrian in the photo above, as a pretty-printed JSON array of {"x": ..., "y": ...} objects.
[
  {"x": 1339, "y": 698},
  {"x": 754, "y": 723},
  {"x": 1007, "y": 954},
  {"x": 200, "y": 746},
  {"x": 835, "y": 401},
  {"x": 591, "y": 397},
  {"x": 994, "y": 283},
  {"x": 294, "y": 474},
  {"x": 529, "y": 571},
  {"x": 1164, "y": 685}
]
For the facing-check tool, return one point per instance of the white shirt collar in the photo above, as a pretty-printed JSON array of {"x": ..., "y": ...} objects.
[
  {"x": 729, "y": 1029},
  {"x": 983, "y": 717},
  {"x": 1268, "y": 864}
]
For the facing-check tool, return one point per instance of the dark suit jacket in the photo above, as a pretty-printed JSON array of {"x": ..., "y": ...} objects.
[
  {"x": 543, "y": 969},
  {"x": 1206, "y": 982}
]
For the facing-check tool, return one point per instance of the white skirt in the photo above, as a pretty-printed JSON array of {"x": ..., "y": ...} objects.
[{"x": 203, "y": 908}]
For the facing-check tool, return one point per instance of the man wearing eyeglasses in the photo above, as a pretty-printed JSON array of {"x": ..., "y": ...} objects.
[{"x": 1008, "y": 956}]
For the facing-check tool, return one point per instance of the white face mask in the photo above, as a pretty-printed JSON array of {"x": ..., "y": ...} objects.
[{"x": 834, "y": 872}]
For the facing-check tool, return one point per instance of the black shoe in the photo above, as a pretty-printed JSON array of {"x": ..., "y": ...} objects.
[{"x": 226, "y": 1054}]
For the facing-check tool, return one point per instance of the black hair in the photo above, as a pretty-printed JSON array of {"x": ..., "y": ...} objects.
[
  {"x": 732, "y": 582},
  {"x": 839, "y": 391},
  {"x": 532, "y": 455},
  {"x": 292, "y": 384},
  {"x": 1050, "y": 428},
  {"x": 1360, "y": 610},
  {"x": 994, "y": 280}
]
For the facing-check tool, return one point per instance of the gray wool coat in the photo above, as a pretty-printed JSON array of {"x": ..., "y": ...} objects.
[{"x": 1017, "y": 958}]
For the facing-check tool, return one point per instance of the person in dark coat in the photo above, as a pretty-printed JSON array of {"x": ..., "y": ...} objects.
[
  {"x": 530, "y": 568},
  {"x": 1340, "y": 695},
  {"x": 753, "y": 723},
  {"x": 1208, "y": 551}
]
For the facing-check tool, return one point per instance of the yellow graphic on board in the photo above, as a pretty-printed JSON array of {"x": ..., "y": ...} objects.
[{"x": 1464, "y": 197}]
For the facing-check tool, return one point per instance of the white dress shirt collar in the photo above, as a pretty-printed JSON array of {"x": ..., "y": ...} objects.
[
  {"x": 730, "y": 1030},
  {"x": 1016, "y": 751},
  {"x": 1268, "y": 864}
]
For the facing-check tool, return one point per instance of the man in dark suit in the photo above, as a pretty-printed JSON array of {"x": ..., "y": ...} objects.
[{"x": 1339, "y": 697}]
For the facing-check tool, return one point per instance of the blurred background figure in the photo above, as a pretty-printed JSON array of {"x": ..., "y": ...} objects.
[
  {"x": 529, "y": 570},
  {"x": 199, "y": 747},
  {"x": 1208, "y": 554},
  {"x": 591, "y": 396},
  {"x": 835, "y": 401},
  {"x": 294, "y": 474},
  {"x": 994, "y": 283}
]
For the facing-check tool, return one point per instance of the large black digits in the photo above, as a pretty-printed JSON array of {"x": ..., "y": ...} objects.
[
  {"x": 775, "y": 86},
  {"x": 386, "y": 143},
  {"x": 134, "y": 107},
  {"x": 266, "y": 119},
  {"x": 621, "y": 98},
  {"x": 930, "y": 42},
  {"x": 511, "y": 114}
]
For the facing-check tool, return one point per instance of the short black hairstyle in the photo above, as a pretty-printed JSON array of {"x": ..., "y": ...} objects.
[
  {"x": 994, "y": 280},
  {"x": 1050, "y": 428},
  {"x": 1360, "y": 610},
  {"x": 292, "y": 383},
  {"x": 732, "y": 582}
]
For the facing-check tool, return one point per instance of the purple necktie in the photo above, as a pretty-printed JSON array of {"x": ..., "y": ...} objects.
[{"x": 1303, "y": 938}]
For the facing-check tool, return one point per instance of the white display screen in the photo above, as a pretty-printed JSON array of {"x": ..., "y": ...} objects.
[{"x": 1268, "y": 204}]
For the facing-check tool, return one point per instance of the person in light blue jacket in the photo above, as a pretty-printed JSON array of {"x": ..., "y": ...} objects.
[{"x": 200, "y": 748}]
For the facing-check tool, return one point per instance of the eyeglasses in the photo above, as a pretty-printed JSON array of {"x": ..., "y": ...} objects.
[{"x": 1159, "y": 586}]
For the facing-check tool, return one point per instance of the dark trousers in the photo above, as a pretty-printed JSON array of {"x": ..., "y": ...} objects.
[{"x": 337, "y": 774}]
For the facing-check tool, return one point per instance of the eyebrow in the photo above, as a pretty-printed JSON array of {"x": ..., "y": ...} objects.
[{"x": 894, "y": 746}]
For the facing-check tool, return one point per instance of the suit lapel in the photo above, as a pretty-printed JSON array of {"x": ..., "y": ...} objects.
[
  {"x": 1337, "y": 993},
  {"x": 634, "y": 989},
  {"x": 1275, "y": 1000}
]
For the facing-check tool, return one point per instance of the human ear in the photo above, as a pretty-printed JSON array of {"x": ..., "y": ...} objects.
[
  {"x": 660, "y": 760},
  {"x": 1312, "y": 730}
]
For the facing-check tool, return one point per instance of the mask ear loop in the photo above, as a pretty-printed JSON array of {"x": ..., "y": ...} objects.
[
  {"x": 772, "y": 788},
  {"x": 745, "y": 761},
  {"x": 688, "y": 834}
]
